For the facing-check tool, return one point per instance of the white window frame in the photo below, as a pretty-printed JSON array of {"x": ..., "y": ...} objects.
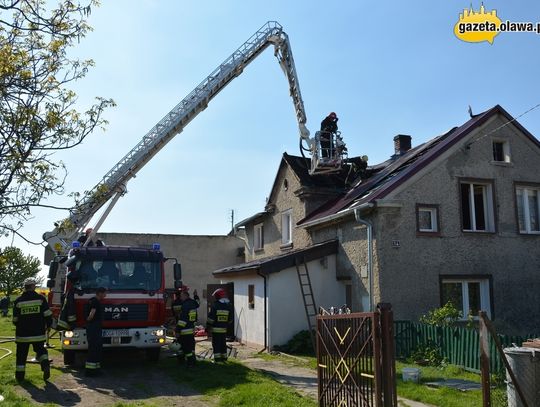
[
  {"x": 286, "y": 227},
  {"x": 485, "y": 300},
  {"x": 525, "y": 191},
  {"x": 506, "y": 150},
  {"x": 488, "y": 206},
  {"x": 258, "y": 237},
  {"x": 434, "y": 218}
]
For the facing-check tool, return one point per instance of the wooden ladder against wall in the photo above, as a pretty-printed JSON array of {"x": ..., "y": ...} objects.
[{"x": 307, "y": 296}]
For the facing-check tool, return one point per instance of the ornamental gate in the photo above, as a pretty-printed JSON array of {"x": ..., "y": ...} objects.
[{"x": 355, "y": 355}]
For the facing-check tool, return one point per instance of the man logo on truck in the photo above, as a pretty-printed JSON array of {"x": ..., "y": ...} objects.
[{"x": 116, "y": 309}]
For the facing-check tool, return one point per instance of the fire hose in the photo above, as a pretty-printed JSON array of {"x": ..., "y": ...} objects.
[{"x": 5, "y": 339}]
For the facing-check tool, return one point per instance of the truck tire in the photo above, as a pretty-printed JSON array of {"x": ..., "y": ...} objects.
[
  {"x": 152, "y": 354},
  {"x": 69, "y": 357}
]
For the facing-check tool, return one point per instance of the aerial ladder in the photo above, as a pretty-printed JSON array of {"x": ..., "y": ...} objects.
[{"x": 113, "y": 185}]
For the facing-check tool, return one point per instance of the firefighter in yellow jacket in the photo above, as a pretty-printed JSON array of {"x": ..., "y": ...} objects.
[
  {"x": 219, "y": 319},
  {"x": 32, "y": 317}
]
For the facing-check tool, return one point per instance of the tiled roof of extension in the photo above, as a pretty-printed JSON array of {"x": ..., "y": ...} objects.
[{"x": 392, "y": 173}]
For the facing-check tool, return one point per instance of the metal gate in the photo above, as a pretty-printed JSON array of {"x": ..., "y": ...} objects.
[{"x": 355, "y": 355}]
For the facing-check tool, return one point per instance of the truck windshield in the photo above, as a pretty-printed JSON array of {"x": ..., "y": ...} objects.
[{"x": 119, "y": 275}]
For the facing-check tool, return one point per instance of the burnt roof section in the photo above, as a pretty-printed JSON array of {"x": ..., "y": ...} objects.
[
  {"x": 275, "y": 264},
  {"x": 385, "y": 177},
  {"x": 339, "y": 180}
]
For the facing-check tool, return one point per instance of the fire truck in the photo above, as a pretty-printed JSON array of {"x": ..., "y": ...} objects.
[{"x": 135, "y": 310}]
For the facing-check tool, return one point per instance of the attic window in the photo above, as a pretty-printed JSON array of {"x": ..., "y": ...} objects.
[
  {"x": 501, "y": 151},
  {"x": 285, "y": 184}
]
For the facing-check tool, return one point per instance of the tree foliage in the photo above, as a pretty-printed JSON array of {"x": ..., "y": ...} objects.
[
  {"x": 15, "y": 267},
  {"x": 38, "y": 112}
]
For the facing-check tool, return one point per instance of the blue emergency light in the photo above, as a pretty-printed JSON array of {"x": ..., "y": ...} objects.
[
  {"x": 156, "y": 246},
  {"x": 75, "y": 244}
]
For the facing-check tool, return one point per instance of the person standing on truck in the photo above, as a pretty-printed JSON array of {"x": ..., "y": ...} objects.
[
  {"x": 218, "y": 321},
  {"x": 94, "y": 317},
  {"x": 186, "y": 325},
  {"x": 31, "y": 317}
]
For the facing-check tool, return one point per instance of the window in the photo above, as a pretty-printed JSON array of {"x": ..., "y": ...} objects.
[
  {"x": 286, "y": 227},
  {"x": 528, "y": 209},
  {"x": 258, "y": 237},
  {"x": 477, "y": 207},
  {"x": 501, "y": 151},
  {"x": 427, "y": 219},
  {"x": 469, "y": 295},
  {"x": 251, "y": 296}
]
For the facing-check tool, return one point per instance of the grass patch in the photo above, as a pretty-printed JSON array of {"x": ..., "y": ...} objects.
[
  {"x": 34, "y": 376},
  {"x": 234, "y": 384}
]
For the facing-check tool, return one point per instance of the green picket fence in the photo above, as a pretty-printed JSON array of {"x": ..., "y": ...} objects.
[{"x": 460, "y": 346}]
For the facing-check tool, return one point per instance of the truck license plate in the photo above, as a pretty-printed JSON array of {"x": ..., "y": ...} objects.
[{"x": 109, "y": 333}]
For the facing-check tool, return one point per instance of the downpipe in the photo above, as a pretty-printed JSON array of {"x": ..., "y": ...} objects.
[
  {"x": 265, "y": 314},
  {"x": 369, "y": 231}
]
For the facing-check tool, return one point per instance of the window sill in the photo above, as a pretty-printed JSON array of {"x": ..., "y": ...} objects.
[
  {"x": 529, "y": 233},
  {"x": 286, "y": 246},
  {"x": 260, "y": 250},
  {"x": 479, "y": 232},
  {"x": 421, "y": 233},
  {"x": 502, "y": 163}
]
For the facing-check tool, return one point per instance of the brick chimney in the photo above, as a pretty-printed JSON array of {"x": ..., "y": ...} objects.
[{"x": 402, "y": 144}]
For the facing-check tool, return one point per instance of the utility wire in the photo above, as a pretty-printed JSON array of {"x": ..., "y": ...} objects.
[{"x": 503, "y": 125}]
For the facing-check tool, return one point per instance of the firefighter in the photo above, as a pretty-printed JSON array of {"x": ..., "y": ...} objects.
[
  {"x": 177, "y": 310},
  {"x": 94, "y": 317},
  {"x": 219, "y": 319},
  {"x": 329, "y": 127},
  {"x": 31, "y": 316},
  {"x": 186, "y": 324}
]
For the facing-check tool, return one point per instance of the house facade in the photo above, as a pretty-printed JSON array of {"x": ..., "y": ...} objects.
[{"x": 454, "y": 219}]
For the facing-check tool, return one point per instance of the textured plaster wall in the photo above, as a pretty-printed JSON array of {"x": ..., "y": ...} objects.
[
  {"x": 283, "y": 199},
  {"x": 410, "y": 274}
]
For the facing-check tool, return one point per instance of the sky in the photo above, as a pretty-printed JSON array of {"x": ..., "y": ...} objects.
[{"x": 385, "y": 68}]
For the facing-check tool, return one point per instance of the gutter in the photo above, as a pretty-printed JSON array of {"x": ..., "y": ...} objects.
[
  {"x": 265, "y": 313},
  {"x": 335, "y": 216},
  {"x": 369, "y": 227}
]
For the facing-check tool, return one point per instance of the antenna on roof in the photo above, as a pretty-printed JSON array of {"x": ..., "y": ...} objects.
[{"x": 470, "y": 112}]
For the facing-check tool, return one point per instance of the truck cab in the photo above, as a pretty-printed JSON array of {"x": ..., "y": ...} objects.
[{"x": 134, "y": 311}]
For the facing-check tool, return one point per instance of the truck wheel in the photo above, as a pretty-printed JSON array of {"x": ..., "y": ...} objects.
[
  {"x": 69, "y": 357},
  {"x": 152, "y": 354}
]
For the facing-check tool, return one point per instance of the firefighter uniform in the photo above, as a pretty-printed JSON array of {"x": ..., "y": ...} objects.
[
  {"x": 185, "y": 329},
  {"x": 94, "y": 337},
  {"x": 31, "y": 316},
  {"x": 219, "y": 319},
  {"x": 177, "y": 310}
]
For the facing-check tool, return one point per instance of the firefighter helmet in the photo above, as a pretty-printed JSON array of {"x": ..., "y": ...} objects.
[
  {"x": 219, "y": 294},
  {"x": 29, "y": 281},
  {"x": 174, "y": 347},
  {"x": 332, "y": 115}
]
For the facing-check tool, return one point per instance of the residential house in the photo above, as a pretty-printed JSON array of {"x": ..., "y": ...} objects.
[{"x": 454, "y": 219}]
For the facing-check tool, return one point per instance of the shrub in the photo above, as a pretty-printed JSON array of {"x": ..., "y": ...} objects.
[{"x": 299, "y": 344}]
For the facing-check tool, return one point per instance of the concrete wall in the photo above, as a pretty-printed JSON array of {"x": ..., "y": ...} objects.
[
  {"x": 410, "y": 274},
  {"x": 199, "y": 256},
  {"x": 287, "y": 315}
]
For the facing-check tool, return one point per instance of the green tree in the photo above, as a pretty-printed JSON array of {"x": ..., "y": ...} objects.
[
  {"x": 15, "y": 267},
  {"x": 38, "y": 112}
]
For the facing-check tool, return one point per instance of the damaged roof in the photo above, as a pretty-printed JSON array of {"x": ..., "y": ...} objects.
[
  {"x": 386, "y": 176},
  {"x": 275, "y": 264}
]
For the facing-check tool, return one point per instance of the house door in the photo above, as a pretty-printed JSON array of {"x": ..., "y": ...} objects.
[{"x": 229, "y": 287}]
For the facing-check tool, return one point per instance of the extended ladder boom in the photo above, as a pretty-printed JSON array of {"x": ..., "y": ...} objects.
[{"x": 114, "y": 182}]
